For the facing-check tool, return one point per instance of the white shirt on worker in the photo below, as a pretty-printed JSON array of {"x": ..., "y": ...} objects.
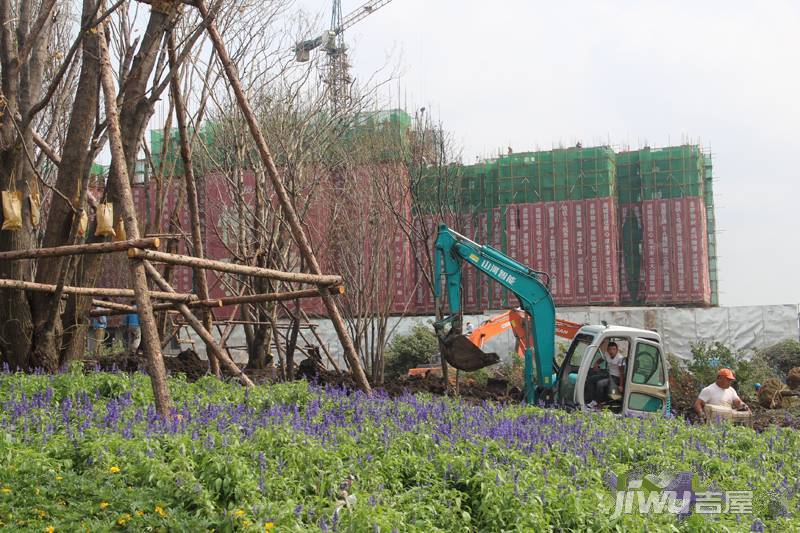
[
  {"x": 716, "y": 395},
  {"x": 614, "y": 364}
]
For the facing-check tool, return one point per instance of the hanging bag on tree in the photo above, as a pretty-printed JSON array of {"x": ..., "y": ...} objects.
[
  {"x": 12, "y": 207},
  {"x": 83, "y": 224},
  {"x": 105, "y": 220},
  {"x": 119, "y": 229},
  {"x": 35, "y": 201}
]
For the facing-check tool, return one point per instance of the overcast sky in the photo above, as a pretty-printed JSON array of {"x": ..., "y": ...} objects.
[{"x": 534, "y": 74}]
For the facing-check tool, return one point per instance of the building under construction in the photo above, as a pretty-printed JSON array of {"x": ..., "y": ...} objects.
[{"x": 633, "y": 227}]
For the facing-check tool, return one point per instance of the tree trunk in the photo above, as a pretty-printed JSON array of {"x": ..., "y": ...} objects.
[
  {"x": 134, "y": 112},
  {"x": 291, "y": 344},
  {"x": 19, "y": 88},
  {"x": 74, "y": 166}
]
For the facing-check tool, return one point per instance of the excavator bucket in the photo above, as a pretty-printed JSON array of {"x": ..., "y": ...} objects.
[{"x": 462, "y": 354}]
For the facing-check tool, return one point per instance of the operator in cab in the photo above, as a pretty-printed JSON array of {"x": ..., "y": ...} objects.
[
  {"x": 720, "y": 393},
  {"x": 616, "y": 363},
  {"x": 598, "y": 379}
]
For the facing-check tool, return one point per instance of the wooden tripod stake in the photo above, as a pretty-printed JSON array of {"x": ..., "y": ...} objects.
[
  {"x": 119, "y": 172},
  {"x": 283, "y": 197}
]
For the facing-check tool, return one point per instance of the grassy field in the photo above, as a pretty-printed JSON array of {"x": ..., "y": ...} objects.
[{"x": 86, "y": 452}]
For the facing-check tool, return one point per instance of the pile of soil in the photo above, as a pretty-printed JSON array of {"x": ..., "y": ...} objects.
[
  {"x": 186, "y": 362},
  {"x": 497, "y": 390},
  {"x": 765, "y": 418}
]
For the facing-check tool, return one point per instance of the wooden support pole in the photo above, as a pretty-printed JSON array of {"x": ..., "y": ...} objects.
[
  {"x": 114, "y": 305},
  {"x": 168, "y": 338},
  {"x": 151, "y": 346},
  {"x": 196, "y": 325},
  {"x": 121, "y": 309},
  {"x": 166, "y": 306},
  {"x": 231, "y": 268},
  {"x": 92, "y": 291},
  {"x": 80, "y": 249},
  {"x": 283, "y": 196},
  {"x": 269, "y": 297}
]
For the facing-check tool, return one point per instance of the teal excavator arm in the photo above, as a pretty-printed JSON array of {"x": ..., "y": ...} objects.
[{"x": 451, "y": 251}]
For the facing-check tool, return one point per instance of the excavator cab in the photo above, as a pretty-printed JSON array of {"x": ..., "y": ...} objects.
[{"x": 644, "y": 386}]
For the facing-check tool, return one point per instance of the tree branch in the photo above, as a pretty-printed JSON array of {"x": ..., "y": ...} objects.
[
  {"x": 62, "y": 70},
  {"x": 33, "y": 35}
]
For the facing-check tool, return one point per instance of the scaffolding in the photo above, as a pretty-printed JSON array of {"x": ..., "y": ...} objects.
[
  {"x": 632, "y": 178},
  {"x": 676, "y": 172}
]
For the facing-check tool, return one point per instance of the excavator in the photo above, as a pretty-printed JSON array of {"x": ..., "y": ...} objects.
[
  {"x": 573, "y": 384},
  {"x": 512, "y": 319}
]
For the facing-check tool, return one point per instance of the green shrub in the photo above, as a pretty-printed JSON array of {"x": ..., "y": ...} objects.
[
  {"x": 707, "y": 359},
  {"x": 748, "y": 373},
  {"x": 783, "y": 356},
  {"x": 410, "y": 350}
]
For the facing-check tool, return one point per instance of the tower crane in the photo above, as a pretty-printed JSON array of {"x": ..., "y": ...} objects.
[{"x": 337, "y": 72}]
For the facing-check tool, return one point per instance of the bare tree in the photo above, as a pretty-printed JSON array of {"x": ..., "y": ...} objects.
[
  {"x": 49, "y": 138},
  {"x": 427, "y": 196},
  {"x": 359, "y": 236},
  {"x": 36, "y": 62},
  {"x": 293, "y": 113}
]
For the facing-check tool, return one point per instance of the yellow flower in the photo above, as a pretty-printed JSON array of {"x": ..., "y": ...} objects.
[
  {"x": 113, "y": 470},
  {"x": 5, "y": 490},
  {"x": 239, "y": 513},
  {"x": 246, "y": 523},
  {"x": 59, "y": 478},
  {"x": 160, "y": 511},
  {"x": 124, "y": 519},
  {"x": 42, "y": 514},
  {"x": 268, "y": 526},
  {"x": 140, "y": 513},
  {"x": 103, "y": 505},
  {"x": 50, "y": 529}
]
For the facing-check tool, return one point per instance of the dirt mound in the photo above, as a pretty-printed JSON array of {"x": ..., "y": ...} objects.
[
  {"x": 764, "y": 418},
  {"x": 495, "y": 389},
  {"x": 189, "y": 363},
  {"x": 683, "y": 388},
  {"x": 186, "y": 362}
]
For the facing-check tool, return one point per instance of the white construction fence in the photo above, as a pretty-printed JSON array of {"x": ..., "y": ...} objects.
[{"x": 741, "y": 328}]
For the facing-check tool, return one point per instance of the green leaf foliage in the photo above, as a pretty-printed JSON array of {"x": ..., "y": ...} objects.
[{"x": 411, "y": 350}]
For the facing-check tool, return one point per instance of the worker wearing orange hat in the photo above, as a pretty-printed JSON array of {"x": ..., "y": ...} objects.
[{"x": 720, "y": 393}]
